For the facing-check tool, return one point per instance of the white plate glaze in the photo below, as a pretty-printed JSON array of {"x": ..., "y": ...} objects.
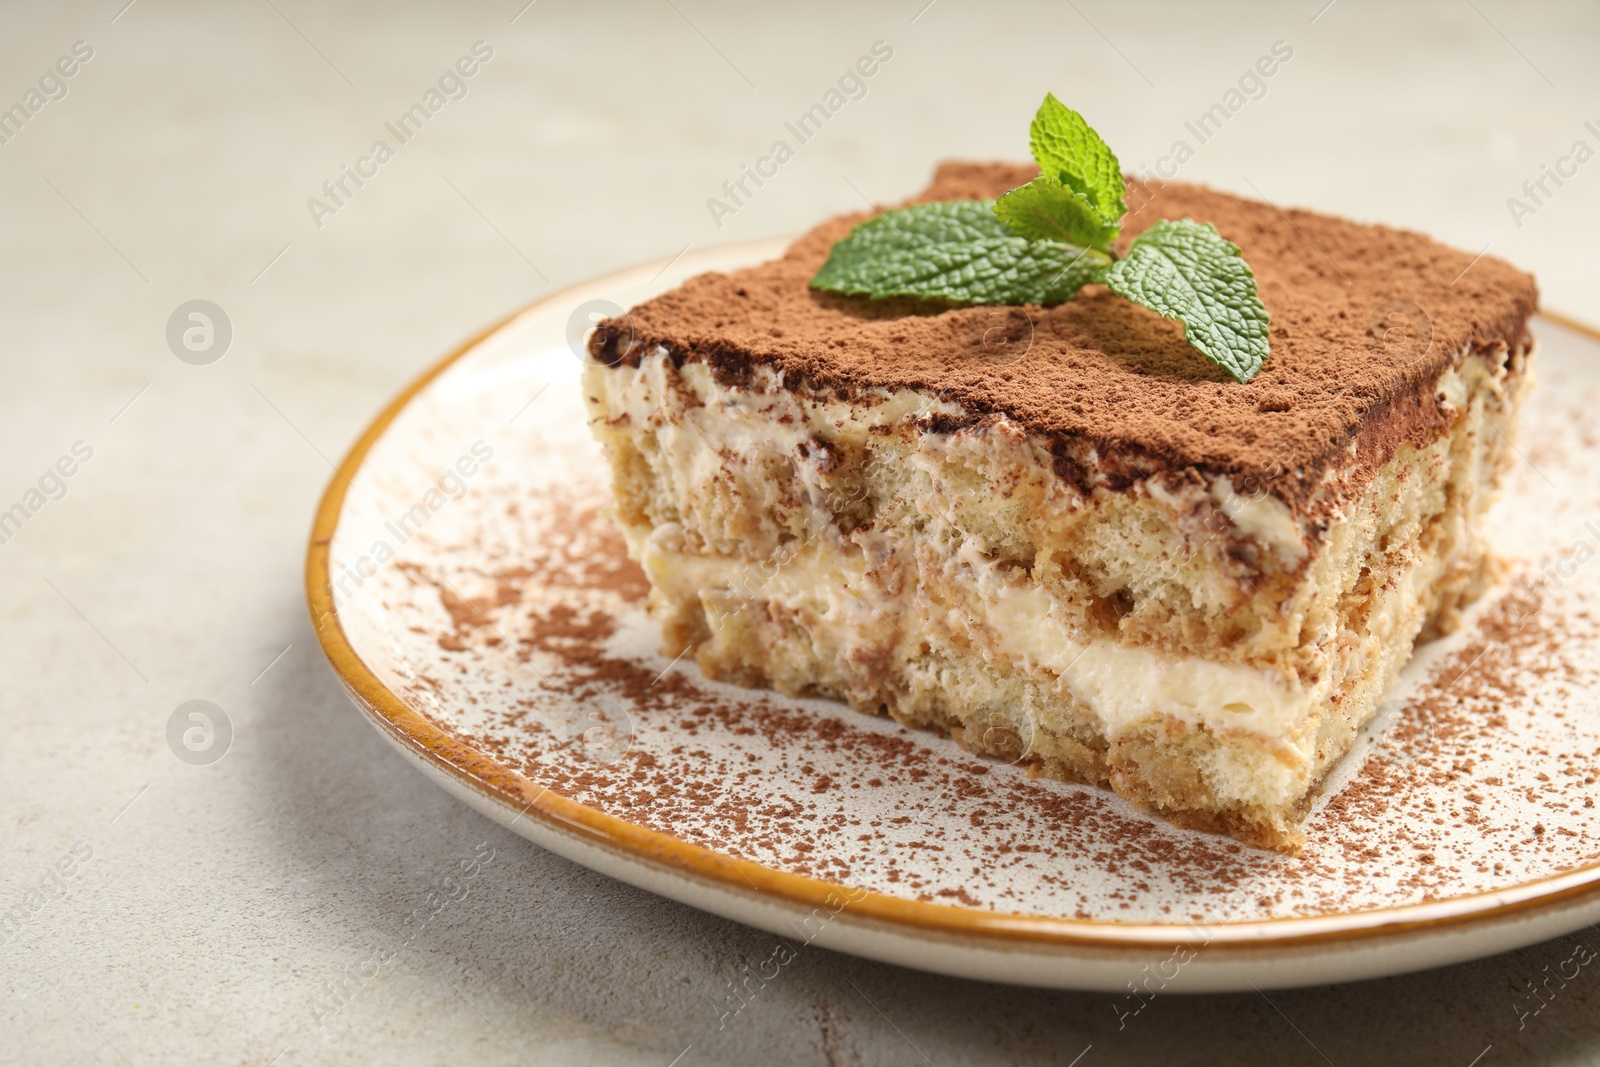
[{"x": 495, "y": 636}]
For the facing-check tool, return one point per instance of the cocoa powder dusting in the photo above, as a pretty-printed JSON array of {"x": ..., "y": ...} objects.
[{"x": 1363, "y": 319}]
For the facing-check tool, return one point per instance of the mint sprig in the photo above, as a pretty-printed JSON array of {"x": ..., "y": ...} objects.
[{"x": 1043, "y": 241}]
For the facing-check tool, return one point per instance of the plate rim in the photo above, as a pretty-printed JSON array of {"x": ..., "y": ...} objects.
[{"x": 673, "y": 855}]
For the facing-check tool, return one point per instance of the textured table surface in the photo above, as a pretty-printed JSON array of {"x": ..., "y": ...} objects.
[{"x": 257, "y": 909}]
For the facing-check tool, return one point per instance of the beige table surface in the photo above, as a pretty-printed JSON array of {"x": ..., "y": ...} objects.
[{"x": 211, "y": 908}]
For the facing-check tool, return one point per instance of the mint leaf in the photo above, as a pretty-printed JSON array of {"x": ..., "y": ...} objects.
[
  {"x": 957, "y": 251},
  {"x": 1186, "y": 270},
  {"x": 1067, "y": 149},
  {"x": 1045, "y": 209}
]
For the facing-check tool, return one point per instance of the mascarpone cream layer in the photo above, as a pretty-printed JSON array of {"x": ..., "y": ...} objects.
[{"x": 831, "y": 580}]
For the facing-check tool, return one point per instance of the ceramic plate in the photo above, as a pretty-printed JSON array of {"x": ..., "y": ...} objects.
[{"x": 480, "y": 610}]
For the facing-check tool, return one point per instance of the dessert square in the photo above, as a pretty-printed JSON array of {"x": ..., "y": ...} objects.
[{"x": 1059, "y": 534}]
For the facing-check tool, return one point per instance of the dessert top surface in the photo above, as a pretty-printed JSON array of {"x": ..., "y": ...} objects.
[{"x": 1364, "y": 318}]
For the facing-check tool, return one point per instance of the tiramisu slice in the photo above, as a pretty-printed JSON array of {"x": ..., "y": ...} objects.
[{"x": 1056, "y": 532}]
